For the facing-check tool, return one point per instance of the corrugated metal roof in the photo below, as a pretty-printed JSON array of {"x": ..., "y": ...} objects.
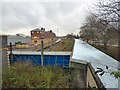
[
  {"x": 39, "y": 53},
  {"x": 85, "y": 52}
]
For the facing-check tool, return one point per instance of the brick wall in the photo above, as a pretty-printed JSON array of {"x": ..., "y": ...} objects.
[{"x": 38, "y": 34}]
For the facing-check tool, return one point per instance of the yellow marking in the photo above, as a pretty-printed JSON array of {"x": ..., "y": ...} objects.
[{"x": 3, "y": 49}]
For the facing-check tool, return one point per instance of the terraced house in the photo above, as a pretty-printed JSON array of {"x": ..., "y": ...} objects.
[{"x": 40, "y": 34}]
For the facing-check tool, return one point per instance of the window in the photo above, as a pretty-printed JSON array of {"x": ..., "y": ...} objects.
[
  {"x": 37, "y": 32},
  {"x": 32, "y": 32}
]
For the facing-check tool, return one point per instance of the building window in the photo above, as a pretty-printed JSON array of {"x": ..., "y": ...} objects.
[
  {"x": 32, "y": 32},
  {"x": 37, "y": 32}
]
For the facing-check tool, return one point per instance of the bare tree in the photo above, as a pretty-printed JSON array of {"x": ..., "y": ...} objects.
[
  {"x": 108, "y": 12},
  {"x": 88, "y": 30},
  {"x": 85, "y": 33},
  {"x": 95, "y": 31}
]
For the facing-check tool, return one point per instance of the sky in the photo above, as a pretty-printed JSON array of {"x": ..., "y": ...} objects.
[{"x": 61, "y": 16}]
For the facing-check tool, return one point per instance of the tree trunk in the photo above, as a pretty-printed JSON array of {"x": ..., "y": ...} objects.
[
  {"x": 119, "y": 34},
  {"x": 105, "y": 41}
]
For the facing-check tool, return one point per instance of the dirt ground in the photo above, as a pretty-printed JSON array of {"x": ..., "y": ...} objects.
[
  {"x": 111, "y": 50},
  {"x": 63, "y": 45}
]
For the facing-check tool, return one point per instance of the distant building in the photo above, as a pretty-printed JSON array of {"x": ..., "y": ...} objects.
[
  {"x": 21, "y": 45},
  {"x": 69, "y": 35},
  {"x": 13, "y": 39},
  {"x": 40, "y": 34}
]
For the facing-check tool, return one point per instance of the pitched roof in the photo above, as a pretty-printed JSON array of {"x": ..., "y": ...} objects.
[{"x": 37, "y": 29}]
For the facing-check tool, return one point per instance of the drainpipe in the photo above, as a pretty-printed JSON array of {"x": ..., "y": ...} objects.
[{"x": 42, "y": 52}]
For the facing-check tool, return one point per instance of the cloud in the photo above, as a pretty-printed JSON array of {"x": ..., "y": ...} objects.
[{"x": 21, "y": 17}]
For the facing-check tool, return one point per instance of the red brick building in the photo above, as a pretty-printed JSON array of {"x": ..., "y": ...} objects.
[{"x": 38, "y": 34}]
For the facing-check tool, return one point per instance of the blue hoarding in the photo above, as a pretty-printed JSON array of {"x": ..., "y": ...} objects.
[{"x": 60, "y": 60}]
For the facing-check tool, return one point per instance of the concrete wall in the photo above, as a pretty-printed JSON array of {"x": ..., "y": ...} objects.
[
  {"x": 84, "y": 75},
  {"x": 79, "y": 74},
  {"x": 3, "y": 51},
  {"x": 3, "y": 56},
  {"x": 90, "y": 79}
]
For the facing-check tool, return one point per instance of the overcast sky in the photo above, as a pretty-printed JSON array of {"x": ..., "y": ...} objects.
[{"x": 60, "y": 16}]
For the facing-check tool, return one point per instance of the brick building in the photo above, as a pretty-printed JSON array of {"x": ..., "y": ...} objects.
[{"x": 40, "y": 34}]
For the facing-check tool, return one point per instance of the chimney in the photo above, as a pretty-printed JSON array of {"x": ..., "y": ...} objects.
[{"x": 42, "y": 29}]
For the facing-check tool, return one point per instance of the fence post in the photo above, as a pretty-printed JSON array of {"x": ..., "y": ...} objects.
[
  {"x": 10, "y": 55},
  {"x": 42, "y": 52}
]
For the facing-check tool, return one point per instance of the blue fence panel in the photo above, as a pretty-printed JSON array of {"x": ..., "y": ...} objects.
[
  {"x": 46, "y": 59},
  {"x": 36, "y": 59},
  {"x": 66, "y": 60},
  {"x": 61, "y": 60},
  {"x": 51, "y": 60}
]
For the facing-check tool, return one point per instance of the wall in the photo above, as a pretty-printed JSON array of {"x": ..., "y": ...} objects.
[
  {"x": 90, "y": 80},
  {"x": 3, "y": 56},
  {"x": 3, "y": 51},
  {"x": 78, "y": 73},
  {"x": 84, "y": 75}
]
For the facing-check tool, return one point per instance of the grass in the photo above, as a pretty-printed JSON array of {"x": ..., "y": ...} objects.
[
  {"x": 116, "y": 74},
  {"x": 25, "y": 75},
  {"x": 65, "y": 45}
]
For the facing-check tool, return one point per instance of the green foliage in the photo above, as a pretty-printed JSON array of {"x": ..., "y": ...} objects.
[
  {"x": 25, "y": 75},
  {"x": 116, "y": 74}
]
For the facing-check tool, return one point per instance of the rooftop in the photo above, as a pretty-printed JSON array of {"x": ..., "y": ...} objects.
[
  {"x": 37, "y": 29},
  {"x": 83, "y": 52}
]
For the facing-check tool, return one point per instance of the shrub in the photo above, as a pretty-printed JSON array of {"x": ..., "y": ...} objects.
[{"x": 25, "y": 75}]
